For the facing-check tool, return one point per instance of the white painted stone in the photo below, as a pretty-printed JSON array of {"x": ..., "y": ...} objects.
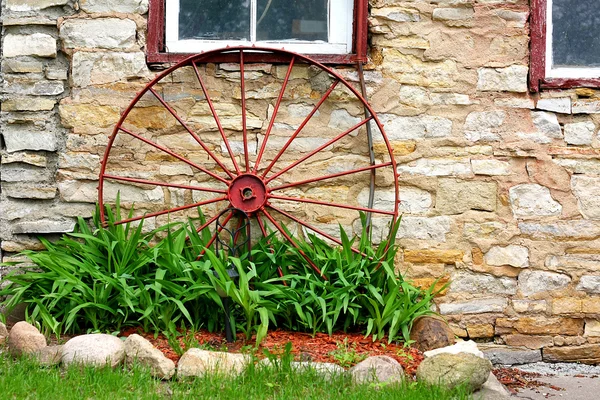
[
  {"x": 580, "y": 133},
  {"x": 513, "y": 255},
  {"x": 509, "y": 79},
  {"x": 422, "y": 228},
  {"x": 484, "y": 125},
  {"x": 437, "y": 167},
  {"x": 589, "y": 284},
  {"x": 479, "y": 283},
  {"x": 95, "y": 349},
  {"x": 533, "y": 282},
  {"x": 100, "y": 68},
  {"x": 111, "y": 6},
  {"x": 560, "y": 105},
  {"x": 531, "y": 199},
  {"x": 474, "y": 306},
  {"x": 342, "y": 120},
  {"x": 490, "y": 167},
  {"x": 587, "y": 191},
  {"x": 28, "y": 140},
  {"x": 421, "y": 127},
  {"x": 468, "y": 346},
  {"x": 546, "y": 124},
  {"x": 36, "y": 44},
  {"x": 101, "y": 33}
]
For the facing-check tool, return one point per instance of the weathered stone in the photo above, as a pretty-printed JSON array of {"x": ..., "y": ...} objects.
[
  {"x": 413, "y": 200},
  {"x": 579, "y": 166},
  {"x": 33, "y": 88},
  {"x": 396, "y": 14},
  {"x": 465, "y": 346},
  {"x": 566, "y": 305},
  {"x": 49, "y": 355},
  {"x": 421, "y": 127},
  {"x": 24, "y": 174},
  {"x": 452, "y": 370},
  {"x": 377, "y": 369},
  {"x": 592, "y": 328},
  {"x": 484, "y": 125},
  {"x": 412, "y": 70},
  {"x": 533, "y": 282},
  {"x": 576, "y": 229},
  {"x": 547, "y": 125},
  {"x": 560, "y": 105},
  {"x": 504, "y": 355},
  {"x": 586, "y": 106},
  {"x": 437, "y": 167},
  {"x": 434, "y": 228},
  {"x": 490, "y": 167},
  {"x": 78, "y": 191},
  {"x": 474, "y": 307},
  {"x": 28, "y": 104},
  {"x": 101, "y": 33},
  {"x": 455, "y": 196},
  {"x": 477, "y": 283},
  {"x": 515, "y": 102},
  {"x": 3, "y": 333},
  {"x": 530, "y": 342},
  {"x": 480, "y": 331},
  {"x": 45, "y": 226},
  {"x": 196, "y": 362},
  {"x": 114, "y": 6},
  {"x": 549, "y": 174},
  {"x": 454, "y": 16},
  {"x": 25, "y": 338},
  {"x": 509, "y": 79},
  {"x": 76, "y": 115},
  {"x": 532, "y": 306},
  {"x": 21, "y": 66},
  {"x": 431, "y": 333},
  {"x": 585, "y": 354},
  {"x": 513, "y": 255},
  {"x": 342, "y": 120},
  {"x": 30, "y": 192},
  {"x": 540, "y": 325},
  {"x": 580, "y": 133},
  {"x": 99, "y": 68},
  {"x": 492, "y": 389},
  {"x": 589, "y": 284},
  {"x": 57, "y": 74},
  {"x": 29, "y": 140},
  {"x": 587, "y": 191},
  {"x": 32, "y": 5},
  {"x": 95, "y": 349},
  {"x": 140, "y": 351},
  {"x": 35, "y": 159},
  {"x": 533, "y": 200},
  {"x": 433, "y": 256},
  {"x": 36, "y": 44}
]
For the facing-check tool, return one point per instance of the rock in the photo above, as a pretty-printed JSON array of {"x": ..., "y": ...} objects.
[
  {"x": 37, "y": 44},
  {"x": 509, "y": 79},
  {"x": 592, "y": 328},
  {"x": 587, "y": 191},
  {"x": 467, "y": 346},
  {"x": 560, "y": 105},
  {"x": 421, "y": 127},
  {"x": 540, "y": 325},
  {"x": 25, "y": 338},
  {"x": 546, "y": 124},
  {"x": 322, "y": 368},
  {"x": 492, "y": 389},
  {"x": 49, "y": 356},
  {"x": 434, "y": 228},
  {"x": 139, "y": 350},
  {"x": 586, "y": 354},
  {"x": 102, "y": 33},
  {"x": 532, "y": 200},
  {"x": 506, "y": 355},
  {"x": 513, "y": 255},
  {"x": 484, "y": 126},
  {"x": 532, "y": 282},
  {"x": 431, "y": 333},
  {"x": 30, "y": 5},
  {"x": 3, "y": 333},
  {"x": 96, "y": 350},
  {"x": 456, "y": 196},
  {"x": 114, "y": 6},
  {"x": 478, "y": 283},
  {"x": 589, "y": 284},
  {"x": 474, "y": 306},
  {"x": 437, "y": 167},
  {"x": 575, "y": 229},
  {"x": 490, "y": 167},
  {"x": 377, "y": 369},
  {"x": 196, "y": 362},
  {"x": 107, "y": 67},
  {"x": 579, "y": 133},
  {"x": 452, "y": 370}
]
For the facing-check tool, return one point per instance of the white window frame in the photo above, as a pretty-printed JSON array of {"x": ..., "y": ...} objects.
[
  {"x": 563, "y": 72},
  {"x": 341, "y": 14}
]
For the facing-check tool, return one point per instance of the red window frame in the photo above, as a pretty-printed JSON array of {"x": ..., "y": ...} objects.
[
  {"x": 537, "y": 68},
  {"x": 155, "y": 49}
]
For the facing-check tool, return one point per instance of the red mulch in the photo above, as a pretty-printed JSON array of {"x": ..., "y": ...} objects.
[
  {"x": 515, "y": 379},
  {"x": 305, "y": 347}
]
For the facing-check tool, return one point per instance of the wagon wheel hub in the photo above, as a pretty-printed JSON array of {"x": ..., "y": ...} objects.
[{"x": 248, "y": 193}]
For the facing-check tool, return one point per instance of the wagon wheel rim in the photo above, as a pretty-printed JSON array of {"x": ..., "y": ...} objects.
[{"x": 252, "y": 185}]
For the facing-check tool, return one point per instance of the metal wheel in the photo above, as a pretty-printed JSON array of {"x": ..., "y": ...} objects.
[{"x": 285, "y": 143}]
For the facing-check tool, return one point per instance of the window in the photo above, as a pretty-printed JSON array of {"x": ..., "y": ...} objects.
[
  {"x": 328, "y": 30},
  {"x": 565, "y": 45}
]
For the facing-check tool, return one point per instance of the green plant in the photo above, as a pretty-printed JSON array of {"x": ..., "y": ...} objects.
[{"x": 346, "y": 355}]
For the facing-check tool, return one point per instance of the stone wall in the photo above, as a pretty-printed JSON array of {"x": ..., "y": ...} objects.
[{"x": 500, "y": 187}]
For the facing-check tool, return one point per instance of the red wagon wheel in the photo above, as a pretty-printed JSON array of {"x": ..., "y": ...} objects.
[{"x": 286, "y": 143}]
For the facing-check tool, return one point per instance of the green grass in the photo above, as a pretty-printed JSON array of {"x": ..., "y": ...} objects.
[{"x": 25, "y": 379}]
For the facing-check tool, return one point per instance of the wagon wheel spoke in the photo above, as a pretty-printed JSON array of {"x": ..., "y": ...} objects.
[
  {"x": 243, "y": 95},
  {"x": 154, "y": 183},
  {"x": 330, "y": 204},
  {"x": 318, "y": 149},
  {"x": 191, "y": 132},
  {"x": 275, "y": 109},
  {"x": 299, "y": 129},
  {"x": 173, "y": 154},
  {"x": 293, "y": 243},
  {"x": 215, "y": 116}
]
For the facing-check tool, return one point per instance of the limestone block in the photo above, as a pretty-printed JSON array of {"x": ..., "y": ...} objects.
[
  {"x": 566, "y": 305},
  {"x": 592, "y": 328},
  {"x": 585, "y": 354},
  {"x": 513, "y": 255},
  {"x": 580, "y": 133},
  {"x": 414, "y": 201},
  {"x": 454, "y": 16},
  {"x": 490, "y": 167},
  {"x": 515, "y": 102},
  {"x": 576, "y": 229},
  {"x": 36, "y": 44},
  {"x": 114, "y": 6},
  {"x": 467, "y": 282},
  {"x": 560, "y": 105},
  {"x": 456, "y": 196},
  {"x": 396, "y": 14},
  {"x": 421, "y": 127},
  {"x": 477, "y": 306},
  {"x": 22, "y": 67},
  {"x": 509, "y": 79},
  {"x": 533, "y": 306},
  {"x": 79, "y": 115},
  {"x": 433, "y": 228},
  {"x": 24, "y": 174},
  {"x": 16, "y": 140},
  {"x": 546, "y": 124},
  {"x": 586, "y": 106},
  {"x": 77, "y": 191},
  {"x": 541, "y": 325},
  {"x": 503, "y": 355},
  {"x": 533, "y": 282},
  {"x": 514, "y": 18},
  {"x": 32, "y": 5},
  {"x": 437, "y": 167},
  {"x": 587, "y": 191},
  {"x": 342, "y": 120},
  {"x": 480, "y": 331},
  {"x": 99, "y": 68},
  {"x": 30, "y": 192},
  {"x": 45, "y": 226},
  {"x": 34, "y": 88},
  {"x": 28, "y": 104},
  {"x": 589, "y": 284},
  {"x": 530, "y": 342},
  {"x": 101, "y": 33},
  {"x": 35, "y": 159},
  {"x": 484, "y": 125},
  {"x": 433, "y": 256},
  {"x": 529, "y": 200},
  {"x": 411, "y": 70},
  {"x": 579, "y": 166}
]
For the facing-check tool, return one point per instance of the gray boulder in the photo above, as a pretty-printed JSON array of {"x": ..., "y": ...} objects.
[
  {"x": 139, "y": 350},
  {"x": 49, "y": 355},
  {"x": 96, "y": 350},
  {"x": 196, "y": 362},
  {"x": 25, "y": 338},
  {"x": 377, "y": 369},
  {"x": 452, "y": 370}
]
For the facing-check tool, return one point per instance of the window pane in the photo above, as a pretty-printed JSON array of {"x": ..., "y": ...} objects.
[
  {"x": 214, "y": 19},
  {"x": 575, "y": 38},
  {"x": 292, "y": 20}
]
